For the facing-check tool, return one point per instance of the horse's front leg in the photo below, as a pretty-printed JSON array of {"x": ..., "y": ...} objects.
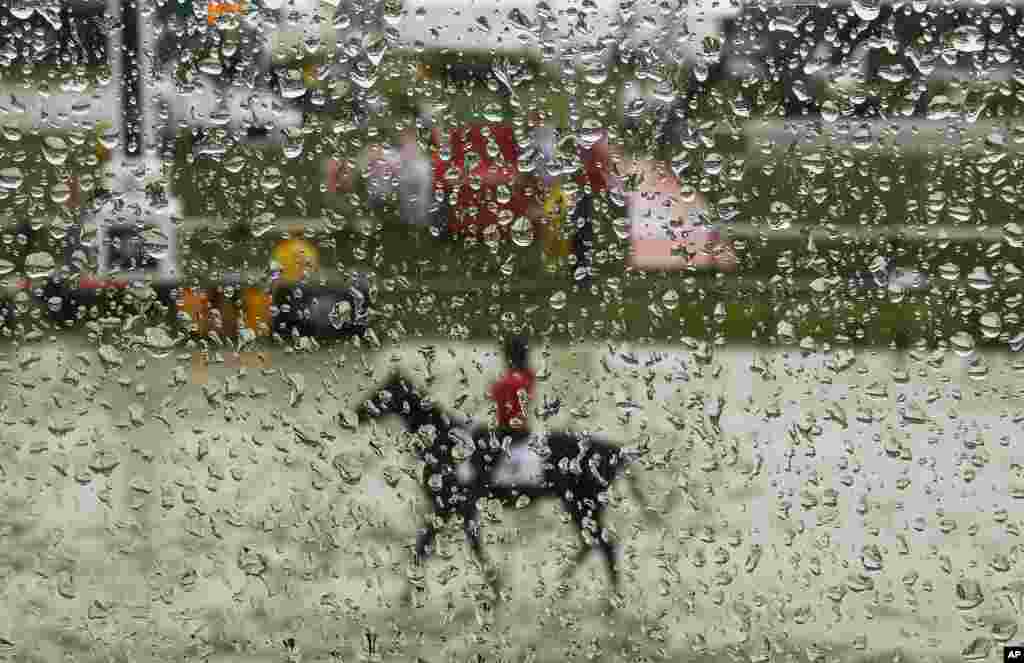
[
  {"x": 425, "y": 538},
  {"x": 471, "y": 526}
]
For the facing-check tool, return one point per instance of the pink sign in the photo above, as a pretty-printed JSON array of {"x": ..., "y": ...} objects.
[{"x": 666, "y": 230}]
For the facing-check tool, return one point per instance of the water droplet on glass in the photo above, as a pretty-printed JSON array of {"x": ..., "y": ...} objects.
[
  {"x": 11, "y": 179},
  {"x": 949, "y": 271},
  {"x": 522, "y": 232},
  {"x": 211, "y": 66},
  {"x": 263, "y": 224},
  {"x": 60, "y": 193},
  {"x": 871, "y": 557},
  {"x": 55, "y": 150},
  {"x": 39, "y": 264},
  {"x": 962, "y": 343},
  {"x": 713, "y": 164},
  {"x": 866, "y": 10},
  {"x": 979, "y": 279},
  {"x": 341, "y": 314},
  {"x": 235, "y": 163},
  {"x": 1014, "y": 235},
  {"x": 862, "y": 138},
  {"x": 991, "y": 324},
  {"x": 271, "y": 179},
  {"x": 969, "y": 594},
  {"x": 159, "y": 342},
  {"x": 493, "y": 112},
  {"x": 785, "y": 332},
  {"x": 781, "y": 216},
  {"x": 978, "y": 649}
]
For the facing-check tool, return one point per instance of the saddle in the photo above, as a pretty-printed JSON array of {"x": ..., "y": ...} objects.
[{"x": 523, "y": 466}]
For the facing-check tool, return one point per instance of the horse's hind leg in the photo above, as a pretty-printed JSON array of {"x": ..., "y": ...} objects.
[
  {"x": 608, "y": 548},
  {"x": 471, "y": 526},
  {"x": 599, "y": 537},
  {"x": 586, "y": 545}
]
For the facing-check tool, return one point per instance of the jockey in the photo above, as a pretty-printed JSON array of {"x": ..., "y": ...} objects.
[
  {"x": 512, "y": 393},
  {"x": 514, "y": 388}
]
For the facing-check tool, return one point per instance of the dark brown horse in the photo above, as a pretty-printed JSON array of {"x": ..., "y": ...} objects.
[{"x": 462, "y": 467}]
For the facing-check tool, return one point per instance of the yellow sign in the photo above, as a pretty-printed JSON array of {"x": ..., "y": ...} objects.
[
  {"x": 214, "y": 10},
  {"x": 297, "y": 257},
  {"x": 557, "y": 207}
]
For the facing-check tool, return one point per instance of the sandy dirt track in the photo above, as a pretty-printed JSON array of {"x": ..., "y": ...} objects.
[{"x": 851, "y": 508}]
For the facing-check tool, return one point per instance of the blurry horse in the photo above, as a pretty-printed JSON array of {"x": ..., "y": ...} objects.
[{"x": 462, "y": 467}]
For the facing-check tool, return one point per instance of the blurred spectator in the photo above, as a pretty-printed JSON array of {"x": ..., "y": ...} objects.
[
  {"x": 496, "y": 155},
  {"x": 415, "y": 181},
  {"x": 375, "y": 169},
  {"x": 590, "y": 175},
  {"x": 592, "y": 181},
  {"x": 388, "y": 172}
]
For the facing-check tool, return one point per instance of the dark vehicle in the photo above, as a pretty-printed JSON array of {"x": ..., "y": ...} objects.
[
  {"x": 132, "y": 244},
  {"x": 323, "y": 311}
]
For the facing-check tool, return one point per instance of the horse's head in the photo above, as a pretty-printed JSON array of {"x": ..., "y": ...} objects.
[{"x": 396, "y": 395}]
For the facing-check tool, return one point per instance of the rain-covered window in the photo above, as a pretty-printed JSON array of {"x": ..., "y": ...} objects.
[{"x": 588, "y": 330}]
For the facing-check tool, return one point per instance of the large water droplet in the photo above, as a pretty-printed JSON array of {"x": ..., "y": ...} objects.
[
  {"x": 55, "y": 150},
  {"x": 871, "y": 557},
  {"x": 949, "y": 271},
  {"x": 39, "y": 264},
  {"x": 969, "y": 39},
  {"x": 991, "y": 324},
  {"x": 969, "y": 594},
  {"x": 11, "y": 179},
  {"x": 522, "y": 232},
  {"x": 962, "y": 343},
  {"x": 1013, "y": 234},
  {"x": 235, "y": 164},
  {"x": 979, "y": 279},
  {"x": 271, "y": 179},
  {"x": 159, "y": 342},
  {"x": 866, "y": 10},
  {"x": 211, "y": 66}
]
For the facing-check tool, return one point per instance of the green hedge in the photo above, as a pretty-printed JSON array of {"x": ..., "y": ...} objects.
[{"x": 637, "y": 311}]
